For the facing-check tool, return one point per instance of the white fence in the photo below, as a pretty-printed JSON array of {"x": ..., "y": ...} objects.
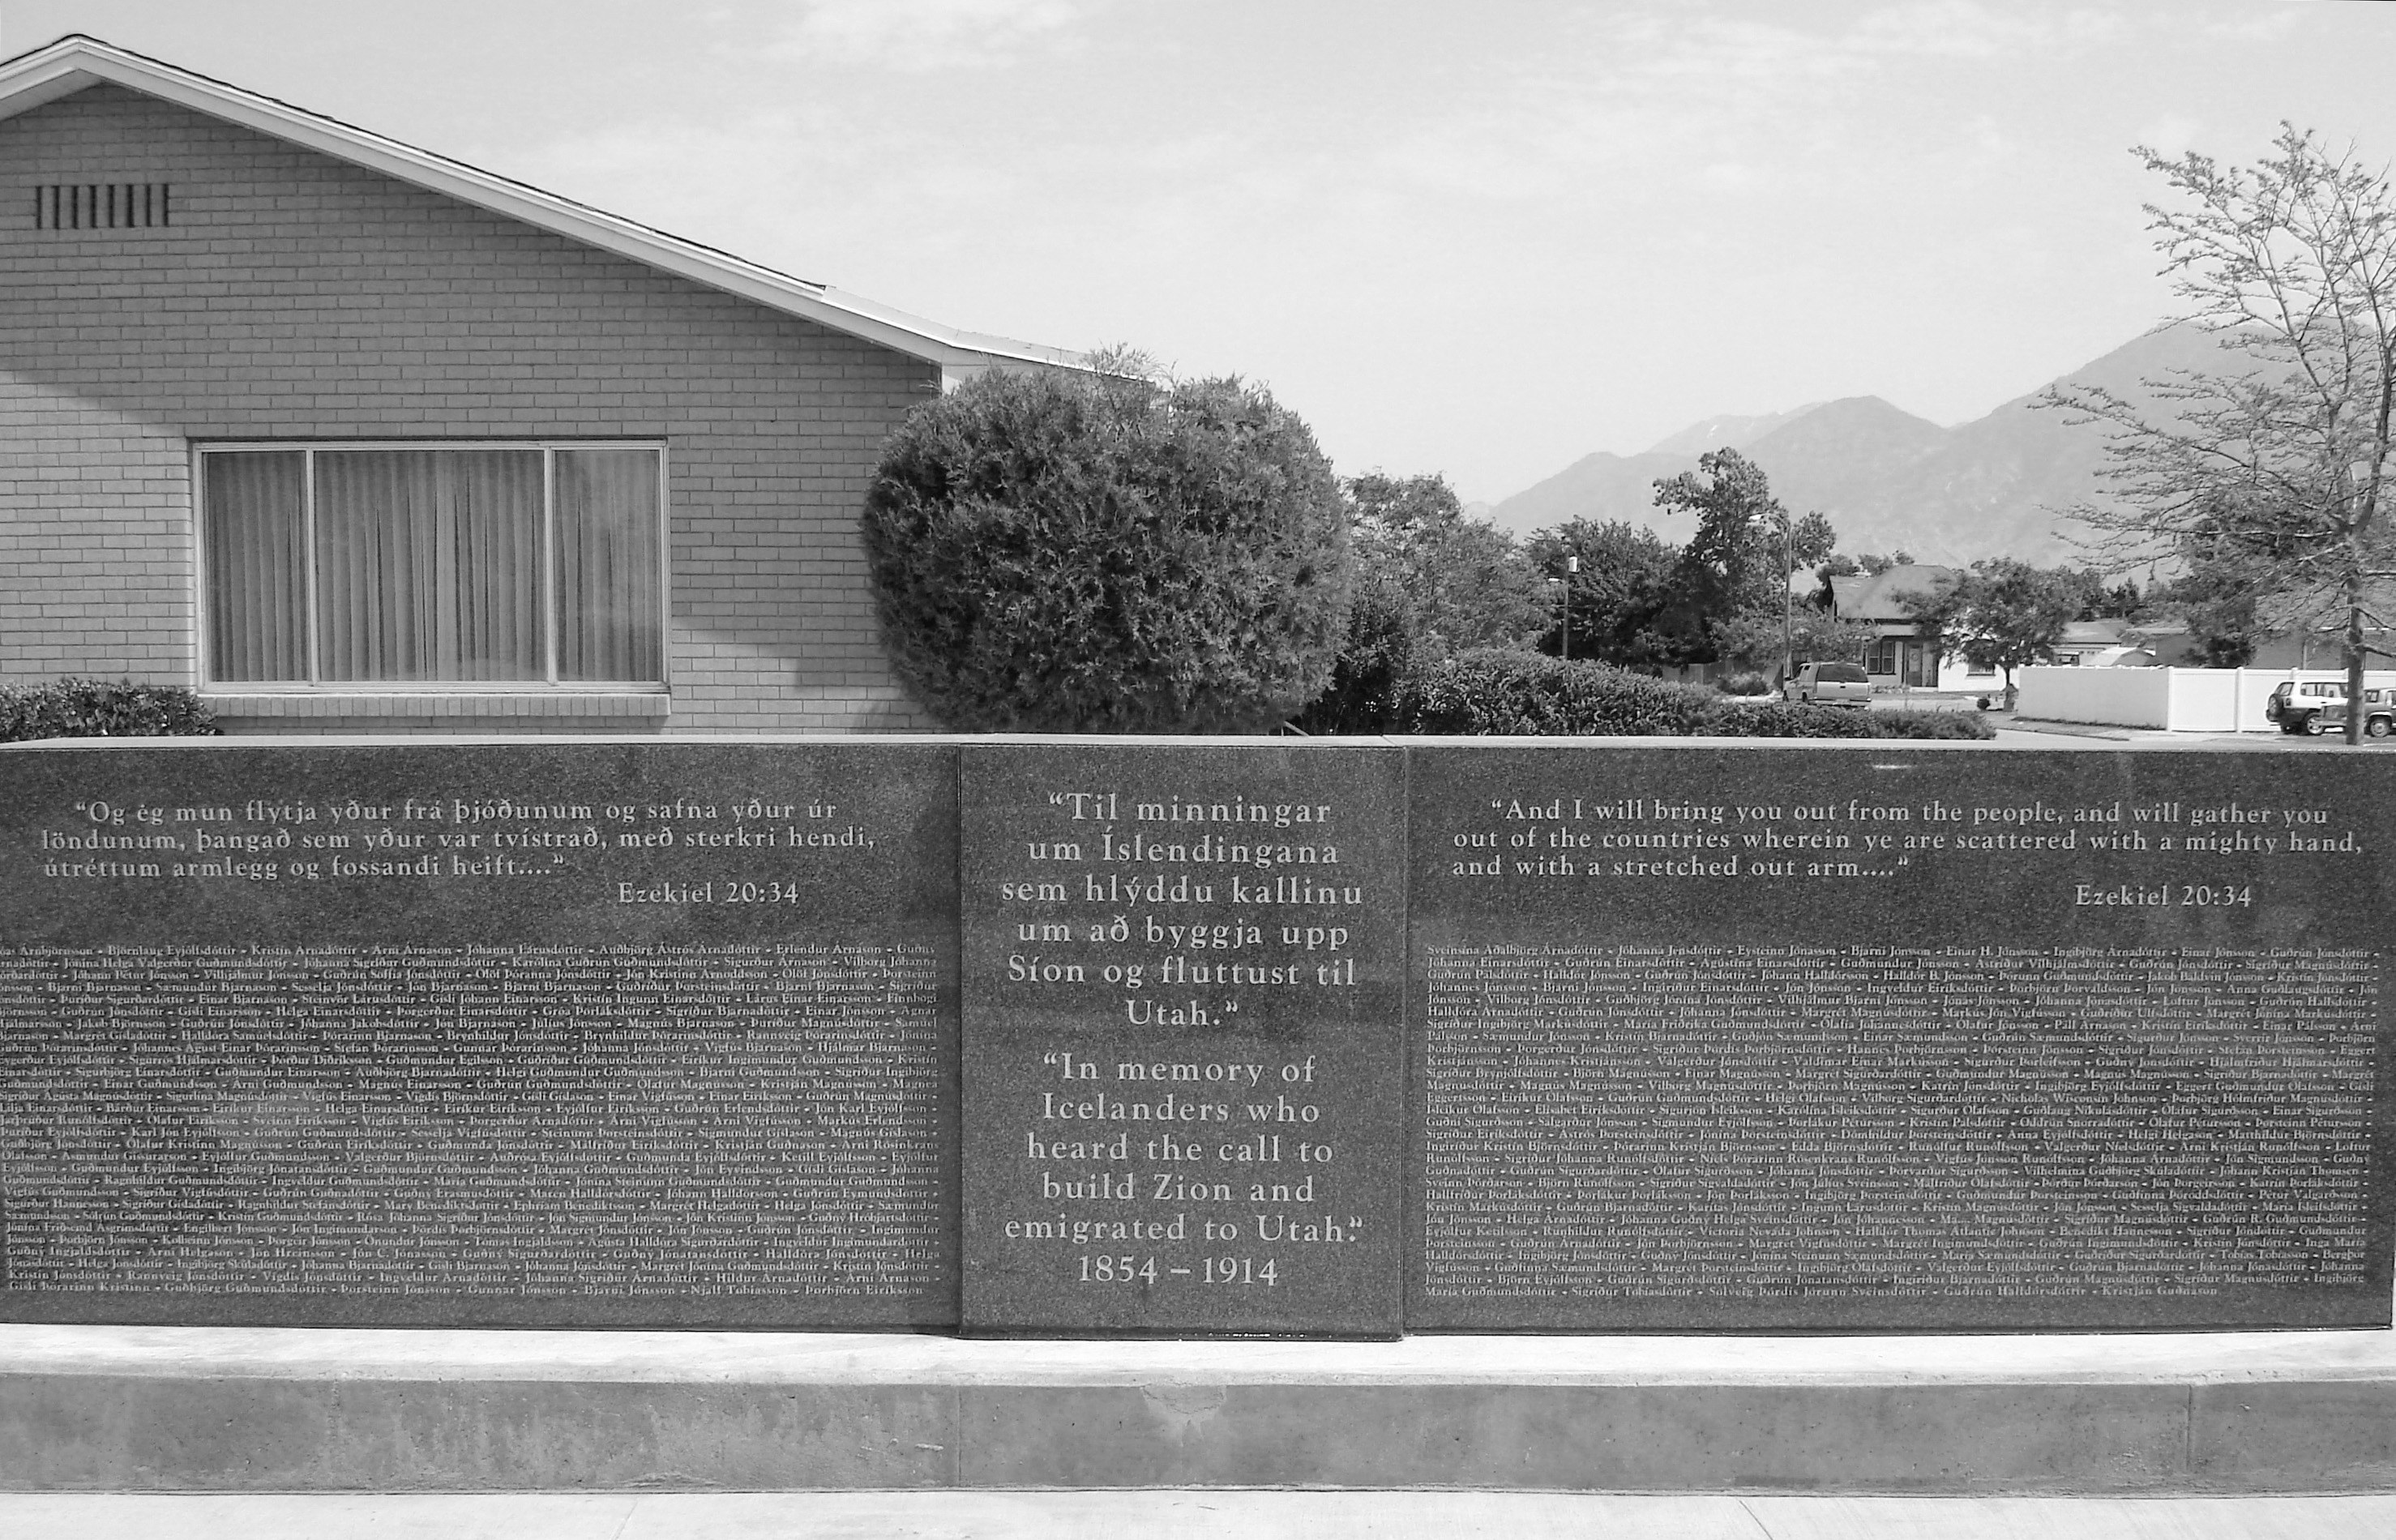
[
  {"x": 2118, "y": 697},
  {"x": 2184, "y": 701}
]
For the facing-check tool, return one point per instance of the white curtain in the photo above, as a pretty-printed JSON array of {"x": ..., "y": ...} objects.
[
  {"x": 608, "y": 609},
  {"x": 256, "y": 550},
  {"x": 428, "y": 564}
]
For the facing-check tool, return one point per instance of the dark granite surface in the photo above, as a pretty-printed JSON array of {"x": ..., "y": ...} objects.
[
  {"x": 1183, "y": 1084},
  {"x": 1879, "y": 1039},
  {"x": 1851, "y": 1037},
  {"x": 527, "y": 1034}
]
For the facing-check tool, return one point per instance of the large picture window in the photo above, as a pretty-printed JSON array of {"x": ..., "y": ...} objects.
[{"x": 522, "y": 564}]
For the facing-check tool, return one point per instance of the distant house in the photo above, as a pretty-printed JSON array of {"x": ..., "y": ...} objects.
[
  {"x": 351, "y": 436},
  {"x": 1896, "y": 654},
  {"x": 2105, "y": 643}
]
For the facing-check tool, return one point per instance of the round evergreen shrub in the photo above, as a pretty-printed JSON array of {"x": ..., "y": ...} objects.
[
  {"x": 1747, "y": 683},
  {"x": 1066, "y": 552}
]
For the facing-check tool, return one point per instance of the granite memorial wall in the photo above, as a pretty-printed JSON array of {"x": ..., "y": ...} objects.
[
  {"x": 1767, "y": 1039},
  {"x": 539, "y": 1035},
  {"x": 1184, "y": 1068},
  {"x": 1187, "y": 1038}
]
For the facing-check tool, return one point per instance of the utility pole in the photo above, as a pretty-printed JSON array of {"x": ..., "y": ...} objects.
[
  {"x": 1572, "y": 570},
  {"x": 1787, "y": 620}
]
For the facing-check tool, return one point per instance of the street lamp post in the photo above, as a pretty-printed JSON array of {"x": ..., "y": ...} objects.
[
  {"x": 1788, "y": 606},
  {"x": 1572, "y": 570}
]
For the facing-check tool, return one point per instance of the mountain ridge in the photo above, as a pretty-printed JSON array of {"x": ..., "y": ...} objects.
[{"x": 1888, "y": 479}]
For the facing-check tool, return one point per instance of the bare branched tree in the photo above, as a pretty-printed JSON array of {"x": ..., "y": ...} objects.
[{"x": 2267, "y": 475}]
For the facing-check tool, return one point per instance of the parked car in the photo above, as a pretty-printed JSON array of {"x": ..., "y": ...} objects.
[
  {"x": 2318, "y": 706},
  {"x": 1828, "y": 684},
  {"x": 2295, "y": 703}
]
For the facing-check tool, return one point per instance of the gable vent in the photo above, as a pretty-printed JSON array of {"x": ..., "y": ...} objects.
[{"x": 100, "y": 205}]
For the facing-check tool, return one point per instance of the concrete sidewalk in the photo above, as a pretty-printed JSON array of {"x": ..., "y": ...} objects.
[
  {"x": 1187, "y": 1516},
  {"x": 2032, "y": 733}
]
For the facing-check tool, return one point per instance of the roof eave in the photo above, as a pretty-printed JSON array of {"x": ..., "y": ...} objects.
[{"x": 74, "y": 64}]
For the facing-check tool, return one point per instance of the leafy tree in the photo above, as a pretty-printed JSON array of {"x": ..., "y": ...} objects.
[
  {"x": 2001, "y": 615},
  {"x": 1079, "y": 551},
  {"x": 1745, "y": 546},
  {"x": 1824, "y": 634},
  {"x": 1754, "y": 637},
  {"x": 2269, "y": 474},
  {"x": 1429, "y": 581},
  {"x": 1838, "y": 564},
  {"x": 1614, "y": 599},
  {"x": 1720, "y": 568},
  {"x": 2222, "y": 625},
  {"x": 2086, "y": 586},
  {"x": 2099, "y": 599},
  {"x": 1377, "y": 657},
  {"x": 1468, "y": 581}
]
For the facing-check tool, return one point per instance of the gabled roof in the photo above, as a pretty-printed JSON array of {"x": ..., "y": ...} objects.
[
  {"x": 76, "y": 61},
  {"x": 1886, "y": 595},
  {"x": 2104, "y": 631}
]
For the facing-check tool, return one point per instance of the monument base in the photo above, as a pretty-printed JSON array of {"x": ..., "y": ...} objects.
[{"x": 201, "y": 1409}]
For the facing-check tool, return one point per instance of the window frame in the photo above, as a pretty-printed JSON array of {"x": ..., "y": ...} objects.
[{"x": 315, "y": 684}]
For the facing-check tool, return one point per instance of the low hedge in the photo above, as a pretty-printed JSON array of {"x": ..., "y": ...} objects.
[
  {"x": 1782, "y": 720},
  {"x": 1930, "y": 724},
  {"x": 1747, "y": 683},
  {"x": 93, "y": 708},
  {"x": 1496, "y": 693}
]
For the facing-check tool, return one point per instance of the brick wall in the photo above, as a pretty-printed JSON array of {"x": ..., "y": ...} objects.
[{"x": 294, "y": 296}]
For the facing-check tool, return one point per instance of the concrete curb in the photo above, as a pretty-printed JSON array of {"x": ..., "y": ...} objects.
[{"x": 224, "y": 1410}]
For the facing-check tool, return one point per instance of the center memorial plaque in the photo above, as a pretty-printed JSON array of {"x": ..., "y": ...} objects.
[
  {"x": 537, "y": 1034},
  {"x": 1869, "y": 1038},
  {"x": 1183, "y": 1084}
]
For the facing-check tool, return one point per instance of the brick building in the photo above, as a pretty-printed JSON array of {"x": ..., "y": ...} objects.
[{"x": 353, "y": 437}]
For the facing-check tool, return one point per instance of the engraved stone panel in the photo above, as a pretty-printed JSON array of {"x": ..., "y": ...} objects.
[
  {"x": 1771, "y": 1037},
  {"x": 1864, "y": 1037},
  {"x": 1183, "y": 1084},
  {"x": 524, "y": 1034}
]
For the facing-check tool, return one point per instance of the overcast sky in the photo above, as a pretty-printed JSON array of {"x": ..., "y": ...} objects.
[{"x": 1481, "y": 240}]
